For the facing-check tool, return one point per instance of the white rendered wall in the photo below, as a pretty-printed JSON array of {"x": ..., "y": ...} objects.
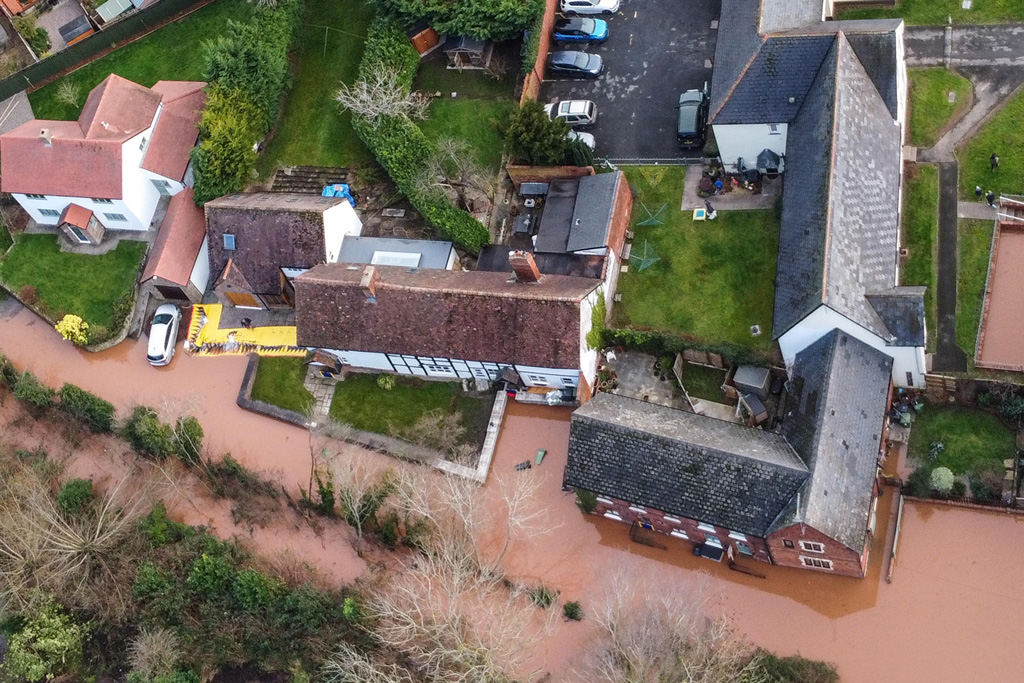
[
  {"x": 200, "y": 276},
  {"x": 58, "y": 204},
  {"x": 139, "y": 194},
  {"x": 588, "y": 356},
  {"x": 747, "y": 141},
  {"x": 339, "y": 221}
]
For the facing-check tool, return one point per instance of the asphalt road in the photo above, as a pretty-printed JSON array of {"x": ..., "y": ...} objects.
[{"x": 655, "y": 50}]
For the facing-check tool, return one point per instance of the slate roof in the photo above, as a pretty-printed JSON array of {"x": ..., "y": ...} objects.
[
  {"x": 836, "y": 411},
  {"x": 902, "y": 311},
  {"x": 839, "y": 226},
  {"x": 179, "y": 241},
  {"x": 683, "y": 464},
  {"x": 494, "y": 257},
  {"x": 780, "y": 15},
  {"x": 577, "y": 213},
  {"x": 469, "y": 315},
  {"x": 737, "y": 43},
  {"x": 433, "y": 253}
]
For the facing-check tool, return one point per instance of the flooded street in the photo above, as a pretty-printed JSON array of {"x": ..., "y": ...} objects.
[{"x": 954, "y": 611}]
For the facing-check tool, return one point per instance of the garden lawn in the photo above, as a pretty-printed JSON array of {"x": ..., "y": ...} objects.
[
  {"x": 477, "y": 113},
  {"x": 1004, "y": 135},
  {"x": 361, "y": 403},
  {"x": 279, "y": 382},
  {"x": 713, "y": 279},
  {"x": 704, "y": 382},
  {"x": 5, "y": 239},
  {"x": 931, "y": 113},
  {"x": 975, "y": 441},
  {"x": 920, "y": 236},
  {"x": 81, "y": 284},
  {"x": 974, "y": 245},
  {"x": 174, "y": 52},
  {"x": 935, "y": 12},
  {"x": 313, "y": 129}
]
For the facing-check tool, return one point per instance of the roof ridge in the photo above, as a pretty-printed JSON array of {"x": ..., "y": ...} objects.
[{"x": 830, "y": 175}]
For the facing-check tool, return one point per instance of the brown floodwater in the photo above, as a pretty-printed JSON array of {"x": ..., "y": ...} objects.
[
  {"x": 1001, "y": 341},
  {"x": 954, "y": 611}
]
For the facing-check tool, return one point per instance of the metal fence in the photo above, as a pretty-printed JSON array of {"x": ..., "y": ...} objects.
[{"x": 111, "y": 36}]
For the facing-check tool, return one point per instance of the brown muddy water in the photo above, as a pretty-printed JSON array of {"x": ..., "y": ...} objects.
[{"x": 954, "y": 611}]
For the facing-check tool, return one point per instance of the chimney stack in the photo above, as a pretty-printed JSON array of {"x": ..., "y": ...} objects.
[
  {"x": 524, "y": 266},
  {"x": 46, "y": 136},
  {"x": 371, "y": 276}
]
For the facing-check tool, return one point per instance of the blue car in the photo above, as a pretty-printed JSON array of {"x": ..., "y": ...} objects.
[{"x": 580, "y": 30}]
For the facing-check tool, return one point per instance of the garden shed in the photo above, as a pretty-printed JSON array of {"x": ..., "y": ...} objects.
[{"x": 468, "y": 53}]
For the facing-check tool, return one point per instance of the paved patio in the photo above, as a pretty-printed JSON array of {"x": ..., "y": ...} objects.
[
  {"x": 637, "y": 379},
  {"x": 63, "y": 13}
]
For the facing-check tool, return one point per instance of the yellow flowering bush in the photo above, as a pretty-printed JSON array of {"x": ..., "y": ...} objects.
[{"x": 74, "y": 329}]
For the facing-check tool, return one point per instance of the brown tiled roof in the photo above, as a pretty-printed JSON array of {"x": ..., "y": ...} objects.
[
  {"x": 470, "y": 315},
  {"x": 75, "y": 215},
  {"x": 233, "y": 276},
  {"x": 180, "y": 239},
  {"x": 176, "y": 129},
  {"x": 117, "y": 109}
]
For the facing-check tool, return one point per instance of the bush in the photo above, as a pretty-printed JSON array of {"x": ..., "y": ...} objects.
[
  {"x": 256, "y": 592},
  {"x": 36, "y": 36},
  {"x": 941, "y": 479},
  {"x": 48, "y": 645},
  {"x": 959, "y": 489},
  {"x": 480, "y": 19},
  {"x": 188, "y": 440},
  {"x": 75, "y": 495},
  {"x": 531, "y": 43},
  {"x": 796, "y": 669},
  {"x": 30, "y": 390},
  {"x": 8, "y": 373},
  {"x": 572, "y": 611},
  {"x": 533, "y": 138},
  {"x": 89, "y": 408},
  {"x": 160, "y": 530},
  {"x": 147, "y": 435},
  {"x": 225, "y": 159},
  {"x": 586, "y": 500},
  {"x": 595, "y": 338},
  {"x": 543, "y": 597},
  {"x": 212, "y": 577},
  {"x": 73, "y": 329},
  {"x": 1012, "y": 408},
  {"x": 386, "y": 382},
  {"x": 28, "y": 295},
  {"x": 918, "y": 484}
]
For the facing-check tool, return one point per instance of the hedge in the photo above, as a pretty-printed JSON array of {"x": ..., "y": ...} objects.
[
  {"x": 89, "y": 408},
  {"x": 30, "y": 390},
  {"x": 480, "y": 19},
  {"x": 401, "y": 147},
  {"x": 660, "y": 343}
]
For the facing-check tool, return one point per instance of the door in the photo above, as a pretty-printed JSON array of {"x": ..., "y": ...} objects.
[
  {"x": 172, "y": 293},
  {"x": 242, "y": 299},
  {"x": 78, "y": 233}
]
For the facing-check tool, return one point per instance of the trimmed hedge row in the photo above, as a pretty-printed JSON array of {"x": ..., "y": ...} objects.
[
  {"x": 401, "y": 147},
  {"x": 89, "y": 408}
]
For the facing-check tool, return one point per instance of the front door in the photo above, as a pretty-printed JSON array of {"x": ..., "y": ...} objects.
[{"x": 78, "y": 233}]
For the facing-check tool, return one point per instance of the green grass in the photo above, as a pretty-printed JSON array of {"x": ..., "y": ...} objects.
[
  {"x": 5, "y": 239},
  {"x": 974, "y": 243},
  {"x": 174, "y": 52},
  {"x": 81, "y": 284},
  {"x": 935, "y": 12},
  {"x": 279, "y": 382},
  {"x": 476, "y": 115},
  {"x": 313, "y": 130},
  {"x": 361, "y": 403},
  {"x": 973, "y": 439},
  {"x": 920, "y": 236},
  {"x": 1004, "y": 135},
  {"x": 704, "y": 382},
  {"x": 714, "y": 278},
  {"x": 931, "y": 113}
]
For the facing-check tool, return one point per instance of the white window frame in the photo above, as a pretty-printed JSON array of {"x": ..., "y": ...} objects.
[
  {"x": 710, "y": 528},
  {"x": 606, "y": 501},
  {"x": 714, "y": 541},
  {"x": 673, "y": 520},
  {"x": 812, "y": 547},
  {"x": 737, "y": 536},
  {"x": 612, "y": 514},
  {"x": 638, "y": 508},
  {"x": 679, "y": 533},
  {"x": 49, "y": 212},
  {"x": 816, "y": 563},
  {"x": 773, "y": 129},
  {"x": 117, "y": 217}
]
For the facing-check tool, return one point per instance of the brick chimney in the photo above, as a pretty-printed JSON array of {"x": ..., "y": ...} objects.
[
  {"x": 46, "y": 136},
  {"x": 371, "y": 276},
  {"x": 524, "y": 266}
]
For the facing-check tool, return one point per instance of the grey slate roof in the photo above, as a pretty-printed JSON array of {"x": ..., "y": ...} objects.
[
  {"x": 902, "y": 311},
  {"x": 433, "y": 253},
  {"x": 738, "y": 42},
  {"x": 839, "y": 226},
  {"x": 556, "y": 219},
  {"x": 681, "y": 463},
  {"x": 837, "y": 406},
  {"x": 780, "y": 15},
  {"x": 494, "y": 257},
  {"x": 577, "y": 214}
]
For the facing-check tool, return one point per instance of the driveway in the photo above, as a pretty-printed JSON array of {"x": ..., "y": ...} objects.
[{"x": 655, "y": 50}]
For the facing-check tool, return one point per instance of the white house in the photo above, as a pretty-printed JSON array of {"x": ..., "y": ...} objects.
[
  {"x": 129, "y": 147},
  {"x": 178, "y": 267},
  {"x": 453, "y": 324}
]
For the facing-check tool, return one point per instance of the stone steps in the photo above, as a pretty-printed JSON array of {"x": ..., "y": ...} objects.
[{"x": 307, "y": 179}]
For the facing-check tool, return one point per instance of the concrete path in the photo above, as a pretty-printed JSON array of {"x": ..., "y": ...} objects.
[
  {"x": 995, "y": 45},
  {"x": 980, "y": 210},
  {"x": 323, "y": 393},
  {"x": 948, "y": 356},
  {"x": 732, "y": 201}
]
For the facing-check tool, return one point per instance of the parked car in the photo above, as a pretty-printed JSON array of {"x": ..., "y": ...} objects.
[
  {"x": 590, "y": 6},
  {"x": 575, "y": 63},
  {"x": 693, "y": 118},
  {"x": 163, "y": 333},
  {"x": 580, "y": 30},
  {"x": 586, "y": 138},
  {"x": 576, "y": 113}
]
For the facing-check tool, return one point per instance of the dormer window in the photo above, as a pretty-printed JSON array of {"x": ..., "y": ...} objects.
[
  {"x": 773, "y": 129},
  {"x": 229, "y": 242}
]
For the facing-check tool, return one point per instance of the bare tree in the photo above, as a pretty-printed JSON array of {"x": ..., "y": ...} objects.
[
  {"x": 69, "y": 93},
  {"x": 665, "y": 635},
  {"x": 453, "y": 170},
  {"x": 154, "y": 653},
  {"x": 361, "y": 486},
  {"x": 380, "y": 94},
  {"x": 349, "y": 665}
]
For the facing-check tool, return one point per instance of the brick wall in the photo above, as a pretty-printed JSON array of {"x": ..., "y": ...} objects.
[
  {"x": 531, "y": 86},
  {"x": 845, "y": 562},
  {"x": 621, "y": 211},
  {"x": 685, "y": 528},
  {"x": 545, "y": 174}
]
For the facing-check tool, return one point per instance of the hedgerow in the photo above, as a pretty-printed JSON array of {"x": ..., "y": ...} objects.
[
  {"x": 480, "y": 19},
  {"x": 89, "y": 408}
]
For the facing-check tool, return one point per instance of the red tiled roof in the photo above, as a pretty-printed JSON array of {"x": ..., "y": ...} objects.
[
  {"x": 470, "y": 315},
  {"x": 75, "y": 215},
  {"x": 15, "y": 7},
  {"x": 179, "y": 242},
  {"x": 176, "y": 129},
  {"x": 117, "y": 109}
]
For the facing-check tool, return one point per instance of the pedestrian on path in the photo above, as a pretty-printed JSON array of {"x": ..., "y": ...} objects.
[
  {"x": 977, "y": 192},
  {"x": 991, "y": 197},
  {"x": 993, "y": 161}
]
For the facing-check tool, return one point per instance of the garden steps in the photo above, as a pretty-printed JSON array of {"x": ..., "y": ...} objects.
[{"x": 307, "y": 179}]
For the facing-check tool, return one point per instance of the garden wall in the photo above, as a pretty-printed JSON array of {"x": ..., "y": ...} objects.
[
  {"x": 531, "y": 86},
  {"x": 545, "y": 174}
]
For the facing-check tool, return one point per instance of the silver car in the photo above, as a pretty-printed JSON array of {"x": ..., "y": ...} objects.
[
  {"x": 163, "y": 333},
  {"x": 590, "y": 6}
]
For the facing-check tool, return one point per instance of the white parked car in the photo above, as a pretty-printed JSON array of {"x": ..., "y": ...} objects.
[
  {"x": 590, "y": 6},
  {"x": 574, "y": 112},
  {"x": 586, "y": 138},
  {"x": 163, "y": 333}
]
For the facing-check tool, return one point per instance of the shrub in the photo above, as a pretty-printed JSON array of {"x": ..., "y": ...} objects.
[
  {"x": 147, "y": 434},
  {"x": 124, "y": 306},
  {"x": 386, "y": 382},
  {"x": 74, "y": 329},
  {"x": 480, "y": 19},
  {"x": 225, "y": 159},
  {"x": 29, "y": 295},
  {"x": 160, "y": 530},
  {"x": 212, "y": 577},
  {"x": 982, "y": 490},
  {"x": 959, "y": 489},
  {"x": 533, "y": 138},
  {"x": 595, "y": 338},
  {"x": 89, "y": 408},
  {"x": 256, "y": 592},
  {"x": 586, "y": 500},
  {"x": 918, "y": 484},
  {"x": 188, "y": 440},
  {"x": 795, "y": 669},
  {"x": 1012, "y": 408},
  {"x": 572, "y": 610},
  {"x": 542, "y": 596},
  {"x": 75, "y": 495},
  {"x": 8, "y": 373},
  {"x": 30, "y": 390},
  {"x": 36, "y": 36},
  {"x": 48, "y": 645},
  {"x": 941, "y": 479},
  {"x": 531, "y": 44}
]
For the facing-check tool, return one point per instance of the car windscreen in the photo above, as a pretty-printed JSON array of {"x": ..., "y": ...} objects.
[
  {"x": 162, "y": 319},
  {"x": 586, "y": 26},
  {"x": 582, "y": 60}
]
